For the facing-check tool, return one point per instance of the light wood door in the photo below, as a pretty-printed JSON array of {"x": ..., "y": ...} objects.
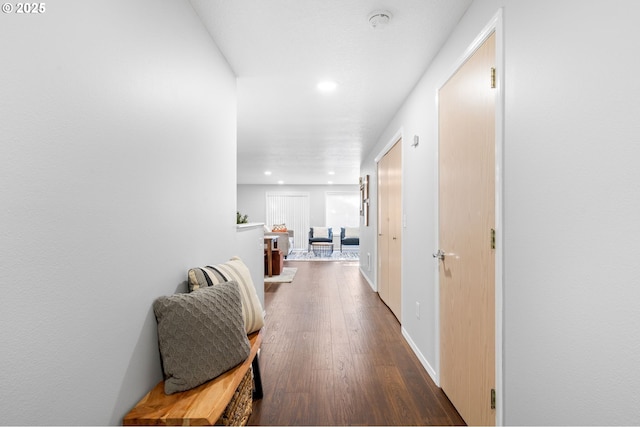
[
  {"x": 395, "y": 229},
  {"x": 390, "y": 228},
  {"x": 383, "y": 228},
  {"x": 466, "y": 218}
]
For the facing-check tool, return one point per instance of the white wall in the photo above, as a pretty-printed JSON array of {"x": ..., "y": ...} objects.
[
  {"x": 572, "y": 205},
  {"x": 117, "y": 172},
  {"x": 571, "y": 341},
  {"x": 250, "y": 248}
]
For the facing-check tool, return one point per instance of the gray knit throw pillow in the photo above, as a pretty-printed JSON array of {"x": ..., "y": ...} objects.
[{"x": 200, "y": 335}]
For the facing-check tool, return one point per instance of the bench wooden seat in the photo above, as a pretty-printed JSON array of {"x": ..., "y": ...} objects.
[{"x": 200, "y": 406}]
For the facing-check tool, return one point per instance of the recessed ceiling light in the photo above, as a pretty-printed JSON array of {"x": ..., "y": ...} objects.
[
  {"x": 332, "y": 173},
  {"x": 327, "y": 86},
  {"x": 329, "y": 182},
  {"x": 280, "y": 182}
]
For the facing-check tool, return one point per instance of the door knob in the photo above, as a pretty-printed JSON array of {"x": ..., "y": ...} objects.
[{"x": 439, "y": 254}]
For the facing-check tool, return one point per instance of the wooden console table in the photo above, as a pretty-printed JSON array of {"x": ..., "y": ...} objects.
[{"x": 270, "y": 242}]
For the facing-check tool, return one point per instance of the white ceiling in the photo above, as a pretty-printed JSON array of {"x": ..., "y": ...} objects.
[{"x": 281, "y": 49}]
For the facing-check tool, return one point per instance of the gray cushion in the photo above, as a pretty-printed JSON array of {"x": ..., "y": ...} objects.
[{"x": 200, "y": 335}]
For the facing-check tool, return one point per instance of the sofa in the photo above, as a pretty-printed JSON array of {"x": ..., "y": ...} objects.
[{"x": 285, "y": 240}]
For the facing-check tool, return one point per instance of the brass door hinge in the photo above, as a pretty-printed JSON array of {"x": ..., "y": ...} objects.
[
  {"x": 493, "y": 77},
  {"x": 493, "y": 238},
  {"x": 493, "y": 398}
]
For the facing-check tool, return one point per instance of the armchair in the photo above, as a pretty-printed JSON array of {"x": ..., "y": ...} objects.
[
  {"x": 320, "y": 234},
  {"x": 349, "y": 236}
]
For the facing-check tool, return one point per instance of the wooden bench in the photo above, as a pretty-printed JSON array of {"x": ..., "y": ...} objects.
[{"x": 203, "y": 405}]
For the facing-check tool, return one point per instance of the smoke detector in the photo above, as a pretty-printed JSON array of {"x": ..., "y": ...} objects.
[{"x": 379, "y": 19}]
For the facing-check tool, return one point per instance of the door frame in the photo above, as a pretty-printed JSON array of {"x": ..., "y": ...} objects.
[{"x": 495, "y": 25}]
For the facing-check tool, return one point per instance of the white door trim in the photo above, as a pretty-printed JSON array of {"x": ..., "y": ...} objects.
[
  {"x": 396, "y": 137},
  {"x": 494, "y": 25}
]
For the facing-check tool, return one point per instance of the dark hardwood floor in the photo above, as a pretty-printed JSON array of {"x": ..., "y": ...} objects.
[{"x": 333, "y": 354}]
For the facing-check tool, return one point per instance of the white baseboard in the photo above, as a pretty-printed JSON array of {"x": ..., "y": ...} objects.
[
  {"x": 421, "y": 358},
  {"x": 423, "y": 361},
  {"x": 367, "y": 279}
]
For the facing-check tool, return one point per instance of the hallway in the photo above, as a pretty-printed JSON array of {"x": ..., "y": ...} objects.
[{"x": 333, "y": 354}]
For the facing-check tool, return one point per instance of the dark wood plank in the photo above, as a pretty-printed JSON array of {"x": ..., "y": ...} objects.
[{"x": 333, "y": 354}]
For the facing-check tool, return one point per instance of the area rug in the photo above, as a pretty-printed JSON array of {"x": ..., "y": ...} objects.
[
  {"x": 345, "y": 255},
  {"x": 286, "y": 276}
]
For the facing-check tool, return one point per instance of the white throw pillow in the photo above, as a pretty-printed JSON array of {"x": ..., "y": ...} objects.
[
  {"x": 232, "y": 270},
  {"x": 321, "y": 232},
  {"x": 351, "y": 232}
]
